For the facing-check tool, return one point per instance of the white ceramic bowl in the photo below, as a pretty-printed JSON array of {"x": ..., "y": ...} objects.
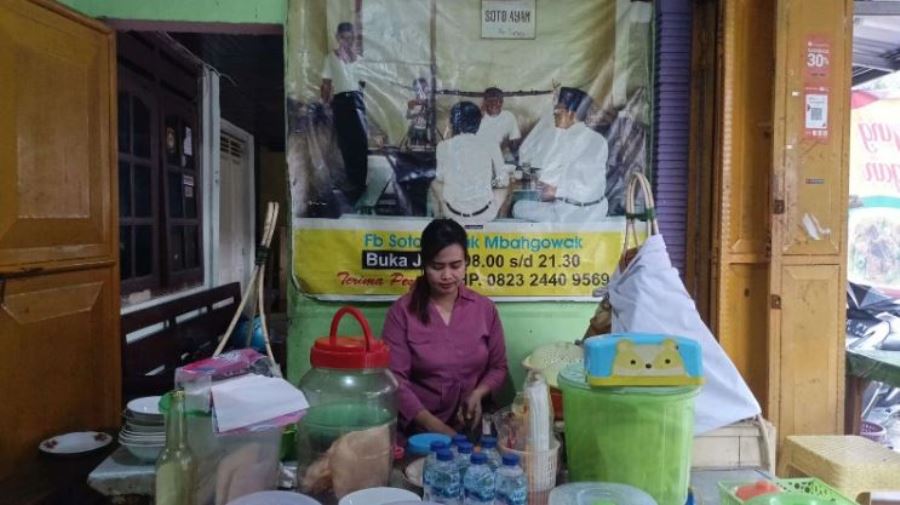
[
  {"x": 156, "y": 424},
  {"x": 75, "y": 443},
  {"x": 274, "y": 498},
  {"x": 145, "y": 409},
  {"x": 144, "y": 428},
  {"x": 379, "y": 496},
  {"x": 129, "y": 437},
  {"x": 143, "y": 452},
  {"x": 139, "y": 442}
]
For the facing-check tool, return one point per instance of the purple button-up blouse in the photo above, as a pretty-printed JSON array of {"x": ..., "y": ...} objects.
[{"x": 439, "y": 364}]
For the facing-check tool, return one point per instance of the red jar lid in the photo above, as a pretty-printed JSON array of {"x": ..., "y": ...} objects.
[{"x": 349, "y": 353}]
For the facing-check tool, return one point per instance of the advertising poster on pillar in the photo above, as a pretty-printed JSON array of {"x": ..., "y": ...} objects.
[
  {"x": 874, "y": 223},
  {"x": 520, "y": 119}
]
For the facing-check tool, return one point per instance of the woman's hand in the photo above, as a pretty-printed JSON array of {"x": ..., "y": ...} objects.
[
  {"x": 470, "y": 410},
  {"x": 432, "y": 424}
]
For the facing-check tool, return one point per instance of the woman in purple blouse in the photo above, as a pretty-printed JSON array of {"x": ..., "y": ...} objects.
[{"x": 446, "y": 341}]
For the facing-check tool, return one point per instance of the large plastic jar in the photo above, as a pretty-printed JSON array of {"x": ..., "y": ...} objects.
[
  {"x": 345, "y": 441},
  {"x": 640, "y": 436}
]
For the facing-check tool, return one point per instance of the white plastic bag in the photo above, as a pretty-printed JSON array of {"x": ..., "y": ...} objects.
[{"x": 648, "y": 296}]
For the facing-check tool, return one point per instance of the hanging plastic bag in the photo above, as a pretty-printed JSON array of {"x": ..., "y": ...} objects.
[{"x": 647, "y": 296}]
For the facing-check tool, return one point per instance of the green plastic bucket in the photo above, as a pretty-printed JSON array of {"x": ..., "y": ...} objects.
[{"x": 640, "y": 436}]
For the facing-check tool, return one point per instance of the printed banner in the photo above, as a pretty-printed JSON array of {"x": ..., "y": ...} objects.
[
  {"x": 874, "y": 222},
  {"x": 505, "y": 262},
  {"x": 522, "y": 120}
]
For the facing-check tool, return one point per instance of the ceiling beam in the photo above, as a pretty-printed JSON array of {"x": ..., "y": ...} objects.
[
  {"x": 879, "y": 8},
  {"x": 876, "y": 62},
  {"x": 217, "y": 28}
]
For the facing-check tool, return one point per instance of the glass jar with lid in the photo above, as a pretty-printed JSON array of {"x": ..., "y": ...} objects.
[{"x": 345, "y": 441}]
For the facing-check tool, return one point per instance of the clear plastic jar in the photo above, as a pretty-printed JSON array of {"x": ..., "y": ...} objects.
[{"x": 345, "y": 441}]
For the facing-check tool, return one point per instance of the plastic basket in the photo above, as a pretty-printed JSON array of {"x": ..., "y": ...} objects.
[
  {"x": 873, "y": 431},
  {"x": 809, "y": 486},
  {"x": 540, "y": 469}
]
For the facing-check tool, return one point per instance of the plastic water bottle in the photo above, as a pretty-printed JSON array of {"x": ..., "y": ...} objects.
[
  {"x": 428, "y": 468},
  {"x": 454, "y": 443},
  {"x": 479, "y": 482},
  {"x": 463, "y": 457},
  {"x": 489, "y": 448},
  {"x": 446, "y": 484},
  {"x": 512, "y": 486}
]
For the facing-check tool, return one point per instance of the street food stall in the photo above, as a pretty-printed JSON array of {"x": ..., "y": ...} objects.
[
  {"x": 372, "y": 160},
  {"x": 632, "y": 403}
]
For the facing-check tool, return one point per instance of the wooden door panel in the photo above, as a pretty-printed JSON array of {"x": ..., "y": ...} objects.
[
  {"x": 744, "y": 145},
  {"x": 59, "y": 283},
  {"x": 744, "y": 297},
  {"x": 59, "y": 368},
  {"x": 812, "y": 190},
  {"x": 55, "y": 198},
  {"x": 811, "y": 349}
]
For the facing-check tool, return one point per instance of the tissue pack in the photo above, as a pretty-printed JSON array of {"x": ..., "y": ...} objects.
[{"x": 632, "y": 359}]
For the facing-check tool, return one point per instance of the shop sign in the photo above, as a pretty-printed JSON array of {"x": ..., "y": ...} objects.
[
  {"x": 503, "y": 262},
  {"x": 507, "y": 19}
]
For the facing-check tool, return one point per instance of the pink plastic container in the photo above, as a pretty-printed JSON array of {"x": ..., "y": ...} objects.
[{"x": 873, "y": 431}]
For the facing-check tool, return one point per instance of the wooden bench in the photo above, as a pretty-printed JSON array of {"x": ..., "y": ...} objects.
[{"x": 188, "y": 329}]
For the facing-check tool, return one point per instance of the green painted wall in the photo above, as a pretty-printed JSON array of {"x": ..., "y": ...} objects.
[
  {"x": 200, "y": 11},
  {"x": 527, "y": 325}
]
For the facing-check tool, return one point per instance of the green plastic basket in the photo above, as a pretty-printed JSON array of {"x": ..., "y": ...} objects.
[{"x": 809, "y": 486}]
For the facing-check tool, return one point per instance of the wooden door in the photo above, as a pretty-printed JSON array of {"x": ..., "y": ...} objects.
[
  {"x": 59, "y": 280},
  {"x": 807, "y": 278},
  {"x": 234, "y": 260},
  {"x": 743, "y": 147}
]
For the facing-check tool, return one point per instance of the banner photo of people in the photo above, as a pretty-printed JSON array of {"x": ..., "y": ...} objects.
[{"x": 520, "y": 119}]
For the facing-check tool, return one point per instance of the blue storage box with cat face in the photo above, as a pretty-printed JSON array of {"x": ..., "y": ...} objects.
[{"x": 636, "y": 359}]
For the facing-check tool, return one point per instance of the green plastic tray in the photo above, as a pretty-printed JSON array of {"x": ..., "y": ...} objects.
[{"x": 808, "y": 486}]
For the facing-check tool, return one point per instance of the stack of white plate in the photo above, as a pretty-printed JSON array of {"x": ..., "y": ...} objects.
[{"x": 144, "y": 433}]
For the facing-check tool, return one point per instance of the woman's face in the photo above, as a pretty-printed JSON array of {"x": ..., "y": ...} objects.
[{"x": 446, "y": 271}]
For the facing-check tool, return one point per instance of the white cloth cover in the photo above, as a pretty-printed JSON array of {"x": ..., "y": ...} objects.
[
  {"x": 649, "y": 297},
  {"x": 250, "y": 399}
]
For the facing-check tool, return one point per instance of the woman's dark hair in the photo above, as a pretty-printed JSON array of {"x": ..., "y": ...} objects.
[
  {"x": 465, "y": 117},
  {"x": 439, "y": 233}
]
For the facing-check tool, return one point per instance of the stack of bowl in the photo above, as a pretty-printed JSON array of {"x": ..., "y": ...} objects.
[{"x": 144, "y": 433}]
